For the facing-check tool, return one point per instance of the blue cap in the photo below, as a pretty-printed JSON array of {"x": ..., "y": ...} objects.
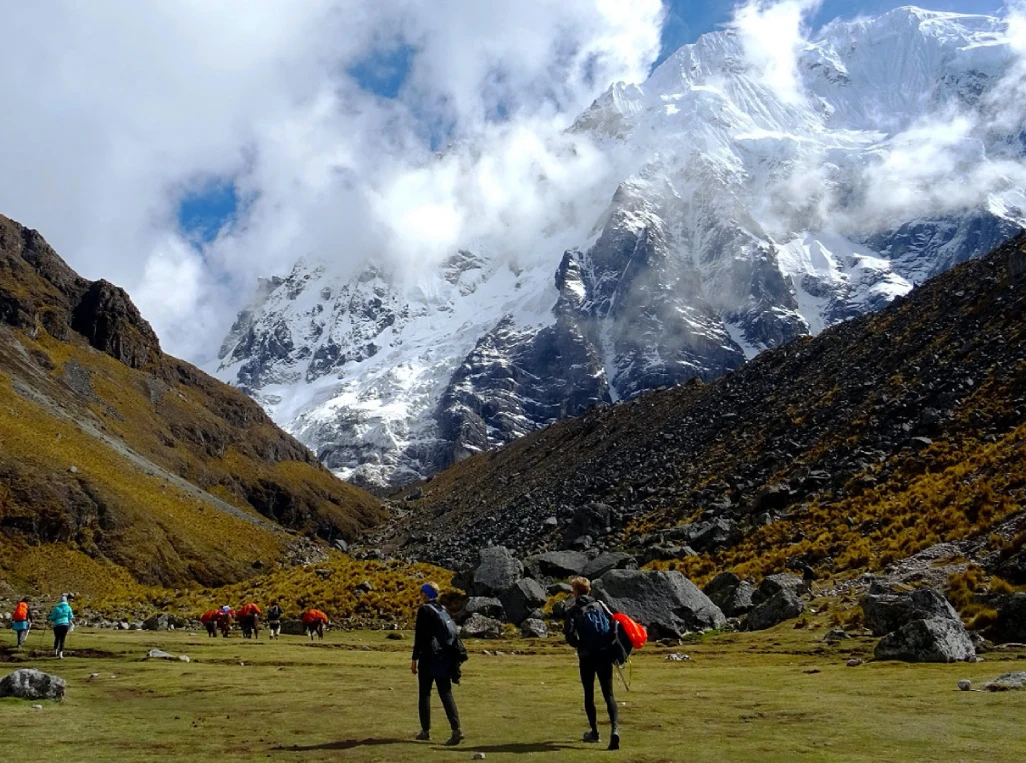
[{"x": 429, "y": 590}]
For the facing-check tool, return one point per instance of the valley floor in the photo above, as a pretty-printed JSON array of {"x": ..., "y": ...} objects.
[{"x": 780, "y": 695}]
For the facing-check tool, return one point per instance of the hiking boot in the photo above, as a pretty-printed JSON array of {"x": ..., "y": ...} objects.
[
  {"x": 423, "y": 736},
  {"x": 455, "y": 739},
  {"x": 614, "y": 741},
  {"x": 590, "y": 736},
  {"x": 60, "y": 655}
]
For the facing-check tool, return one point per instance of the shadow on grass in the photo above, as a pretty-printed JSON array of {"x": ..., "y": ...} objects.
[
  {"x": 521, "y": 748},
  {"x": 348, "y": 744}
]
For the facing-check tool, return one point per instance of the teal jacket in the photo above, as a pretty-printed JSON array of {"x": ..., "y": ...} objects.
[{"x": 61, "y": 614}]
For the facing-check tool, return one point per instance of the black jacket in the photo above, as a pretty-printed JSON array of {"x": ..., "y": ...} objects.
[
  {"x": 426, "y": 649},
  {"x": 573, "y": 613}
]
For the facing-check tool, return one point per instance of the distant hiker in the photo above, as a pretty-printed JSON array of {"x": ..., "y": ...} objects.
[
  {"x": 314, "y": 622},
  {"x": 808, "y": 578},
  {"x": 209, "y": 620},
  {"x": 435, "y": 662},
  {"x": 62, "y": 618},
  {"x": 22, "y": 620},
  {"x": 589, "y": 629},
  {"x": 249, "y": 620},
  {"x": 274, "y": 616}
]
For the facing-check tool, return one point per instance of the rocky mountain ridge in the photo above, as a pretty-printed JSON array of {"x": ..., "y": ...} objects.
[{"x": 119, "y": 463}]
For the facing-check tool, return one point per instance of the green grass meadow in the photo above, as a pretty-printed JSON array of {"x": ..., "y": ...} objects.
[{"x": 774, "y": 696}]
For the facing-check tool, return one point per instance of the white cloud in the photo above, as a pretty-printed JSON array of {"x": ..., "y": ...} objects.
[
  {"x": 113, "y": 110},
  {"x": 772, "y": 35}
]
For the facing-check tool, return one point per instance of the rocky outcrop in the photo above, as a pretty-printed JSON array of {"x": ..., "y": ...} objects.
[
  {"x": 928, "y": 640},
  {"x": 522, "y": 599},
  {"x": 497, "y": 572},
  {"x": 1010, "y": 625},
  {"x": 781, "y": 606},
  {"x": 33, "y": 685},
  {"x": 610, "y": 560},
  {"x": 887, "y": 612},
  {"x": 731, "y": 594},
  {"x": 667, "y": 603},
  {"x": 556, "y": 565},
  {"x": 534, "y": 628},
  {"x": 480, "y": 605},
  {"x": 479, "y": 626},
  {"x": 1014, "y": 681}
]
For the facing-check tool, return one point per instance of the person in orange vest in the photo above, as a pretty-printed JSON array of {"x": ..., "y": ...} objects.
[{"x": 22, "y": 621}]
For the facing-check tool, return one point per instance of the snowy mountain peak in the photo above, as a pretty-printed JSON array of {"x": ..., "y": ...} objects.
[{"x": 745, "y": 208}]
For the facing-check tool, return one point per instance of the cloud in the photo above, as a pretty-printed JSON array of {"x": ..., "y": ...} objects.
[
  {"x": 772, "y": 35},
  {"x": 115, "y": 111}
]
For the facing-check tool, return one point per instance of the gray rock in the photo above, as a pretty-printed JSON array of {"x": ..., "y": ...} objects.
[
  {"x": 611, "y": 560},
  {"x": 931, "y": 640},
  {"x": 678, "y": 657},
  {"x": 1007, "y": 682},
  {"x": 521, "y": 599},
  {"x": 557, "y": 588},
  {"x": 496, "y": 573},
  {"x": 481, "y": 605},
  {"x": 159, "y": 654},
  {"x": 534, "y": 628},
  {"x": 667, "y": 603},
  {"x": 1010, "y": 625},
  {"x": 731, "y": 594},
  {"x": 774, "y": 584},
  {"x": 965, "y": 685},
  {"x": 884, "y": 613},
  {"x": 479, "y": 626},
  {"x": 556, "y": 564},
  {"x": 592, "y": 520},
  {"x": 32, "y": 684},
  {"x": 834, "y": 635},
  {"x": 783, "y": 605}
]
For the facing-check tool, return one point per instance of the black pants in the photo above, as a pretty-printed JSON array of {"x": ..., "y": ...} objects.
[
  {"x": 60, "y": 632},
  {"x": 603, "y": 668},
  {"x": 425, "y": 679}
]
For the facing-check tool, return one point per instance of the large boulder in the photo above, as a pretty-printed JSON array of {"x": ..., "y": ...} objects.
[
  {"x": 611, "y": 560},
  {"x": 936, "y": 639},
  {"x": 534, "y": 628},
  {"x": 522, "y": 599},
  {"x": 479, "y": 626},
  {"x": 481, "y": 605},
  {"x": 556, "y": 564},
  {"x": 771, "y": 585},
  {"x": 667, "y": 603},
  {"x": 32, "y": 684},
  {"x": 885, "y": 613},
  {"x": 783, "y": 605},
  {"x": 496, "y": 573},
  {"x": 730, "y": 593},
  {"x": 1013, "y": 569},
  {"x": 1010, "y": 625}
]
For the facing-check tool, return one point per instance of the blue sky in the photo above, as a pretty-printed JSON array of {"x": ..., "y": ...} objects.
[{"x": 202, "y": 213}]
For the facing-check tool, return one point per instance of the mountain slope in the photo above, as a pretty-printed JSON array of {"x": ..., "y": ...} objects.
[
  {"x": 883, "y": 435},
  {"x": 119, "y": 462},
  {"x": 736, "y": 216}
]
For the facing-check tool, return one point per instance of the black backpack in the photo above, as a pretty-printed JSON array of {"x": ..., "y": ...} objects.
[{"x": 447, "y": 635}]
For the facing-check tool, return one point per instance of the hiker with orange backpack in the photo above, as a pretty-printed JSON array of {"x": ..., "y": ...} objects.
[
  {"x": 22, "y": 621},
  {"x": 603, "y": 641}
]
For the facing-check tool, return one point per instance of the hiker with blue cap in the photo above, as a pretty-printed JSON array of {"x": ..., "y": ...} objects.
[{"x": 436, "y": 661}]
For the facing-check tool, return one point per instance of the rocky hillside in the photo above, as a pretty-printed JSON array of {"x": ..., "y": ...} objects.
[
  {"x": 883, "y": 436},
  {"x": 118, "y": 462}
]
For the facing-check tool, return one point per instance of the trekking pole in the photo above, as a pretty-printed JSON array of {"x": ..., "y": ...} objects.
[{"x": 619, "y": 672}]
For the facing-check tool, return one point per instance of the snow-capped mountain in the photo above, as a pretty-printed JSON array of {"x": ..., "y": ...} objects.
[{"x": 742, "y": 215}]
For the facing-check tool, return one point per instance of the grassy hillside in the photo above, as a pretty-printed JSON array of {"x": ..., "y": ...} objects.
[
  {"x": 878, "y": 438},
  {"x": 122, "y": 465}
]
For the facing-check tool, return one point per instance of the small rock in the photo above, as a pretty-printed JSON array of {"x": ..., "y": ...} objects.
[
  {"x": 93, "y": 676},
  {"x": 678, "y": 657},
  {"x": 37, "y": 707},
  {"x": 73, "y": 470},
  {"x": 159, "y": 654},
  {"x": 965, "y": 685},
  {"x": 184, "y": 658},
  {"x": 395, "y": 636},
  {"x": 854, "y": 662},
  {"x": 478, "y": 756}
]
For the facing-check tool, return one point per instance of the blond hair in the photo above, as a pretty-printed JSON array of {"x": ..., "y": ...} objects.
[{"x": 581, "y": 586}]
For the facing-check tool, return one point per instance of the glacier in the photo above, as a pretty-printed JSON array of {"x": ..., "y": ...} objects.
[{"x": 735, "y": 218}]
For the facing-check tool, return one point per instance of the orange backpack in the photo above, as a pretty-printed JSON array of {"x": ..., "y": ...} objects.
[
  {"x": 20, "y": 612},
  {"x": 636, "y": 632}
]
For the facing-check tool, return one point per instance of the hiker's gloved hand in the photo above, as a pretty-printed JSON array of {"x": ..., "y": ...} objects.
[{"x": 413, "y": 667}]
